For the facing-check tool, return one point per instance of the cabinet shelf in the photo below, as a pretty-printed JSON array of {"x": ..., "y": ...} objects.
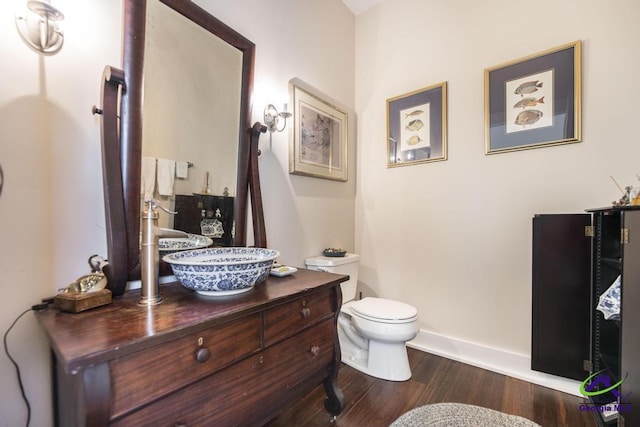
[
  {"x": 607, "y": 420},
  {"x": 612, "y": 326},
  {"x": 611, "y": 261},
  {"x": 610, "y": 364}
]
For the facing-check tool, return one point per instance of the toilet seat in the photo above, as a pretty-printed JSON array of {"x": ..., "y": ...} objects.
[{"x": 384, "y": 310}]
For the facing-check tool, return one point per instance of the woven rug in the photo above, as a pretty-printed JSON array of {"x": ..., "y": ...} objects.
[{"x": 459, "y": 415}]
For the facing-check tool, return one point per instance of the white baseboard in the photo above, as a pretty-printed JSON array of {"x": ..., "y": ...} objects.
[{"x": 503, "y": 362}]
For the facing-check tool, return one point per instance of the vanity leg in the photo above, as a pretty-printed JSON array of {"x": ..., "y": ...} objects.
[{"x": 334, "y": 403}]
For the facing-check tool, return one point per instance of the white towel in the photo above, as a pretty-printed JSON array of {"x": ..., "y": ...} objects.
[
  {"x": 165, "y": 174},
  {"x": 148, "y": 177},
  {"x": 182, "y": 170}
]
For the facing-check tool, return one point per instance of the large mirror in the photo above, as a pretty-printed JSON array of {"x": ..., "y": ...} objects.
[
  {"x": 191, "y": 121},
  {"x": 185, "y": 120}
]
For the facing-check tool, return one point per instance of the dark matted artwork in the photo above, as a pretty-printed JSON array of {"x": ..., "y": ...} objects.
[
  {"x": 534, "y": 101},
  {"x": 417, "y": 126}
]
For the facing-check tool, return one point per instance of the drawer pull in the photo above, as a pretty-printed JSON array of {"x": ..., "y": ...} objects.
[
  {"x": 315, "y": 350},
  {"x": 202, "y": 355},
  {"x": 306, "y": 312}
]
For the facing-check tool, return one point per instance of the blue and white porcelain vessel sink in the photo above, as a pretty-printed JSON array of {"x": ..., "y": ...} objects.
[
  {"x": 169, "y": 245},
  {"x": 221, "y": 271}
]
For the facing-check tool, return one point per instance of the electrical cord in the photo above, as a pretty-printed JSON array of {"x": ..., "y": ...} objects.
[{"x": 6, "y": 350}]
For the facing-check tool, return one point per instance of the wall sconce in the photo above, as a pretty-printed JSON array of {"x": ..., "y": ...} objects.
[
  {"x": 38, "y": 27},
  {"x": 272, "y": 117}
]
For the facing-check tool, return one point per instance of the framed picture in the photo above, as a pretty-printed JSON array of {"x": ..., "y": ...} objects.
[
  {"x": 534, "y": 101},
  {"x": 320, "y": 135},
  {"x": 417, "y": 126}
]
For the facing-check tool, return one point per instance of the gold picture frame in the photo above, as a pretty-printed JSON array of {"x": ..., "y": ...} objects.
[
  {"x": 534, "y": 101},
  {"x": 417, "y": 126},
  {"x": 319, "y": 144}
]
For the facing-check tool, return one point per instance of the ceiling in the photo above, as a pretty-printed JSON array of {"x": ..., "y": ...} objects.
[{"x": 360, "y": 6}]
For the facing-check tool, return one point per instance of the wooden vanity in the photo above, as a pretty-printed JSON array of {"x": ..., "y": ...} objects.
[
  {"x": 192, "y": 360},
  {"x": 197, "y": 361}
]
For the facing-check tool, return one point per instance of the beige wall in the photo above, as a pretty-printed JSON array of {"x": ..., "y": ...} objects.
[
  {"x": 51, "y": 210},
  {"x": 454, "y": 238}
]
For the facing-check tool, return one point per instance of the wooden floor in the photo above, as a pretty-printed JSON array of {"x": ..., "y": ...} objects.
[{"x": 372, "y": 402}]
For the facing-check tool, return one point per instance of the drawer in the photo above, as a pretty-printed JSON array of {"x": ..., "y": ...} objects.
[
  {"x": 250, "y": 392},
  {"x": 288, "y": 319},
  {"x": 154, "y": 372}
]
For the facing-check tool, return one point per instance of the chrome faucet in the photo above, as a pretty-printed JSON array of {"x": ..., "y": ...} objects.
[{"x": 150, "y": 251}]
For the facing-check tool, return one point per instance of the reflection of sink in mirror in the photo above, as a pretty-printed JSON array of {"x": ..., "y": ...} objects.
[{"x": 169, "y": 245}]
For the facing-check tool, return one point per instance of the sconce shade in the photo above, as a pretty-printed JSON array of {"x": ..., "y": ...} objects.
[
  {"x": 272, "y": 118},
  {"x": 38, "y": 27}
]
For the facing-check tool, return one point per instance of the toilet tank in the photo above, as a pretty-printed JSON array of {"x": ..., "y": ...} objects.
[{"x": 347, "y": 264}]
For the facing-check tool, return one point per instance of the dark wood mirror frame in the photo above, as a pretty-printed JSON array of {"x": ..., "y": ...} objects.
[{"x": 122, "y": 142}]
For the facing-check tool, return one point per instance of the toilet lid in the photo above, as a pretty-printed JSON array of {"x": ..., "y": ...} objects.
[{"x": 384, "y": 309}]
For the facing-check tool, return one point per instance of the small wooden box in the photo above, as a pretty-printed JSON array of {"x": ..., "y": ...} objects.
[{"x": 75, "y": 303}]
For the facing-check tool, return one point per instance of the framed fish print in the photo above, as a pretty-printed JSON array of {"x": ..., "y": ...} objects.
[
  {"x": 319, "y": 144},
  {"x": 534, "y": 101},
  {"x": 417, "y": 126}
]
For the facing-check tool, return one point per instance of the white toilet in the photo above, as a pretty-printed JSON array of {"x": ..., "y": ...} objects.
[{"x": 372, "y": 331}]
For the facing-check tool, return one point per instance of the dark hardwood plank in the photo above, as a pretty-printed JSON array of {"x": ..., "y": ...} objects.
[
  {"x": 372, "y": 402},
  {"x": 518, "y": 398},
  {"x": 394, "y": 397}
]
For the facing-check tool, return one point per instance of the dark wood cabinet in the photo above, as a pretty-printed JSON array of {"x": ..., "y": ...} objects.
[
  {"x": 559, "y": 339},
  {"x": 197, "y": 361},
  {"x": 560, "y": 295},
  {"x": 194, "y": 209}
]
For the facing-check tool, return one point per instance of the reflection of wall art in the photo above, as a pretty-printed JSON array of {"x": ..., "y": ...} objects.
[
  {"x": 417, "y": 126},
  {"x": 319, "y": 144},
  {"x": 534, "y": 101}
]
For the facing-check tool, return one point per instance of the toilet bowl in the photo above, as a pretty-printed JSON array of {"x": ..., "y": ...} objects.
[{"x": 372, "y": 331}]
